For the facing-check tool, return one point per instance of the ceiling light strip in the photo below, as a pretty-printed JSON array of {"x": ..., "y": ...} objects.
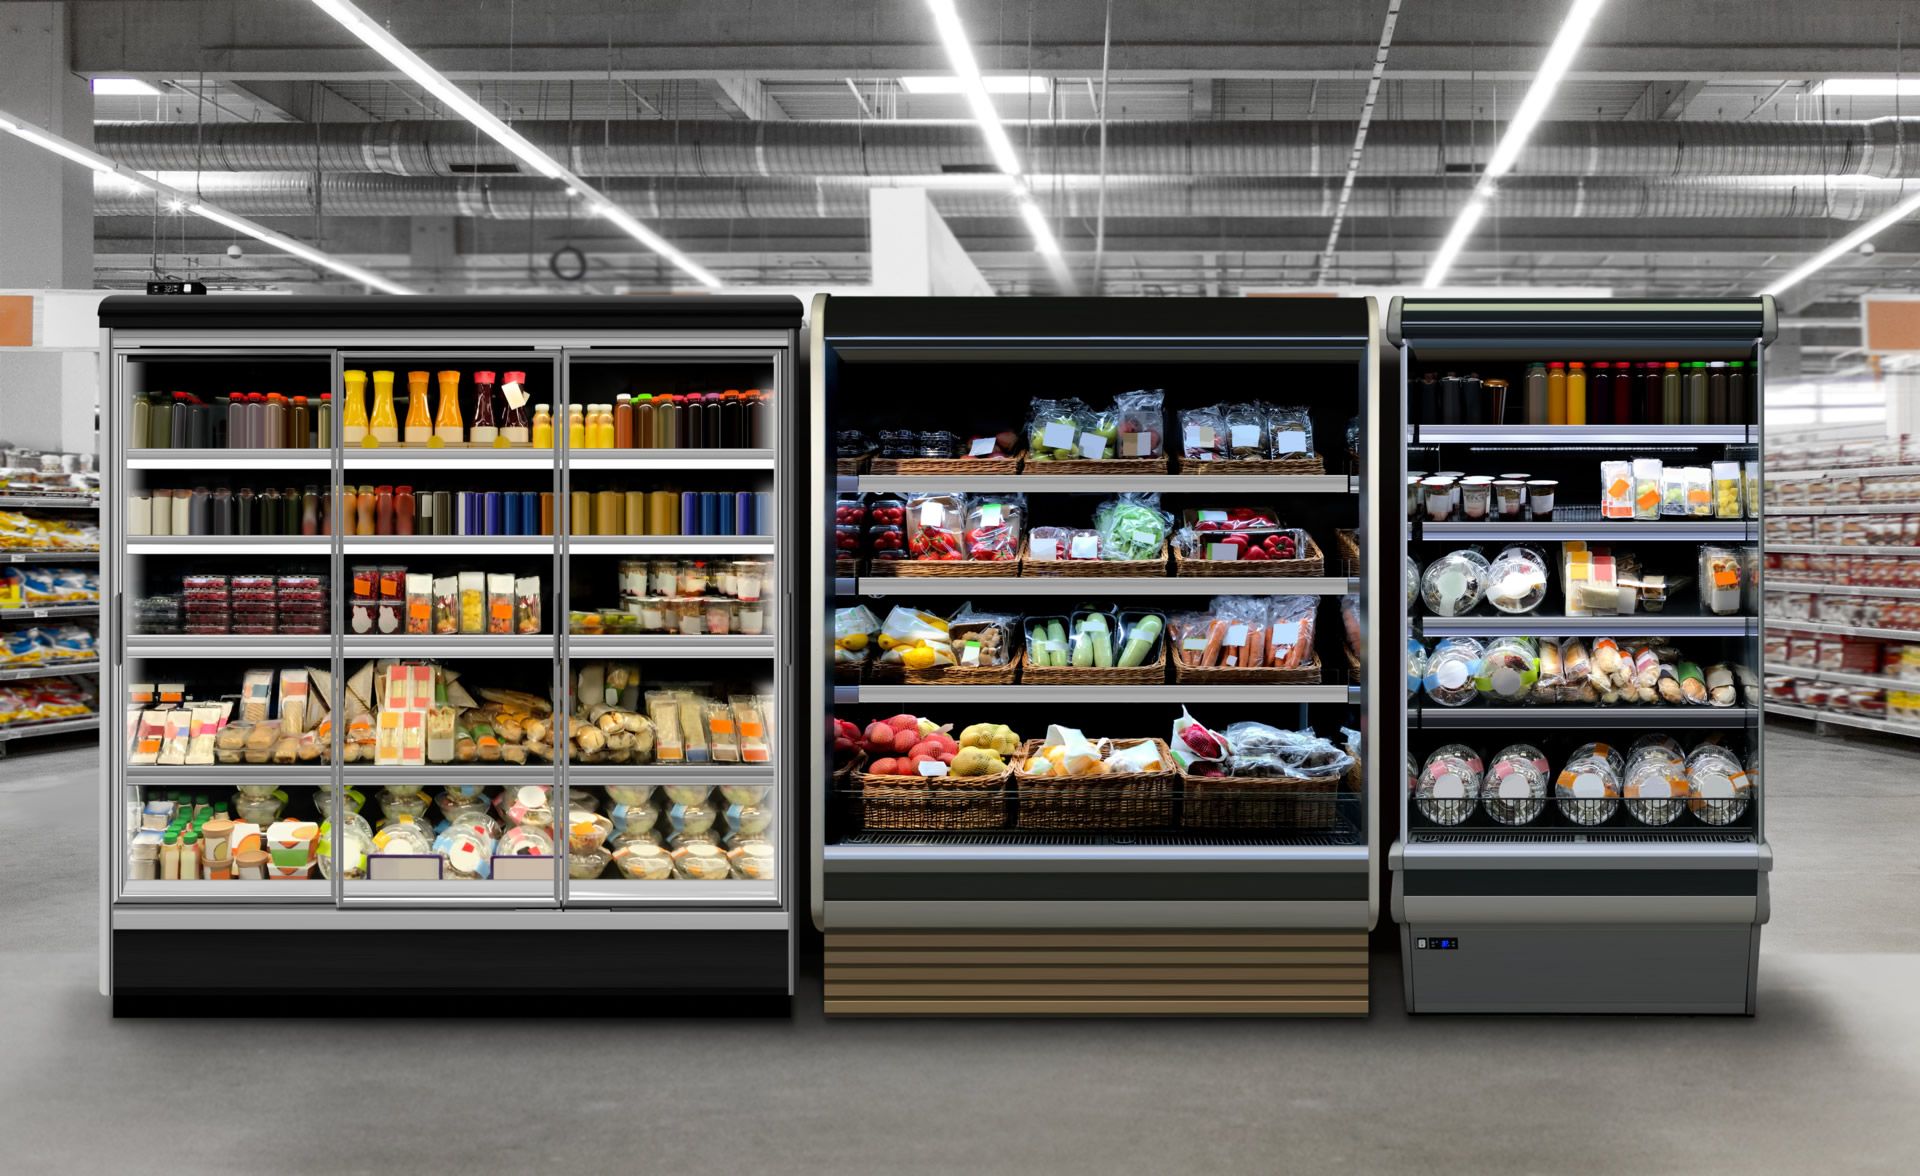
[
  {"x": 1847, "y": 244},
  {"x": 1359, "y": 139},
  {"x": 1546, "y": 81},
  {"x": 460, "y": 102},
  {"x": 966, "y": 70},
  {"x": 180, "y": 200}
]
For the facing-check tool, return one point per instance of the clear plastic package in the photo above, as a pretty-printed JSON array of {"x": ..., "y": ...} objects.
[
  {"x": 1509, "y": 669},
  {"x": 1514, "y": 790},
  {"x": 1454, "y": 584},
  {"x": 1718, "y": 785},
  {"x": 1517, "y": 581},
  {"x": 1416, "y": 665},
  {"x": 1448, "y": 787},
  {"x": 1451, "y": 669},
  {"x": 1588, "y": 788},
  {"x": 1721, "y": 580},
  {"x": 1655, "y": 787}
]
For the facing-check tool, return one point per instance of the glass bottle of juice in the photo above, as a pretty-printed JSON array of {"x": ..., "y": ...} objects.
[
  {"x": 542, "y": 427},
  {"x": 382, "y": 425},
  {"x": 419, "y": 427},
  {"x": 1718, "y": 412},
  {"x": 1696, "y": 388},
  {"x": 514, "y": 425},
  {"x": 484, "y": 427},
  {"x": 1670, "y": 404},
  {"x": 1576, "y": 393},
  {"x": 404, "y": 507},
  {"x": 1556, "y": 393},
  {"x": 353, "y": 416},
  {"x": 643, "y": 421},
  {"x": 447, "y": 423},
  {"x": 576, "y": 427},
  {"x": 623, "y": 423}
]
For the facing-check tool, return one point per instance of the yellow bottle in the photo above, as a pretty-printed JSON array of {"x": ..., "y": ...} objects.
[
  {"x": 604, "y": 428},
  {"x": 447, "y": 425},
  {"x": 419, "y": 421},
  {"x": 353, "y": 417},
  {"x": 542, "y": 427},
  {"x": 1556, "y": 393},
  {"x": 1576, "y": 393},
  {"x": 576, "y": 428},
  {"x": 382, "y": 426}
]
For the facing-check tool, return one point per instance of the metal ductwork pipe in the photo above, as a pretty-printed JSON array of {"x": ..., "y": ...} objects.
[
  {"x": 657, "y": 147},
  {"x": 516, "y": 198}
]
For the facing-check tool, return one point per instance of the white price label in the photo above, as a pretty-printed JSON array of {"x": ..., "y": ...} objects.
[
  {"x": 1290, "y": 442},
  {"x": 515, "y": 395},
  {"x": 932, "y": 768},
  {"x": 1246, "y": 436},
  {"x": 981, "y": 447},
  {"x": 1450, "y": 675},
  {"x": 1236, "y": 635},
  {"x": 1194, "y": 643},
  {"x": 1044, "y": 550},
  {"x": 1136, "y": 444},
  {"x": 1224, "y": 551},
  {"x": 1449, "y": 787},
  {"x": 1093, "y": 446},
  {"x": 1656, "y": 790},
  {"x": 1587, "y": 786},
  {"x": 1714, "y": 786},
  {"x": 1514, "y": 788},
  {"x": 1199, "y": 436},
  {"x": 990, "y": 514},
  {"x": 1086, "y": 545},
  {"x": 932, "y": 514},
  {"x": 1285, "y": 634},
  {"x": 1058, "y": 435},
  {"x": 970, "y": 654},
  {"x": 40, "y": 612}
]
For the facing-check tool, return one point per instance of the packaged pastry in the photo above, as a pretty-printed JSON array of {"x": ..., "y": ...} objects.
[
  {"x": 1454, "y": 584},
  {"x": 1514, "y": 789},
  {"x": 1451, "y": 669},
  {"x": 1720, "y": 580},
  {"x": 1509, "y": 669},
  {"x": 1720, "y": 686},
  {"x": 1448, "y": 787},
  {"x": 1517, "y": 581},
  {"x": 750, "y": 723},
  {"x": 1550, "y": 686}
]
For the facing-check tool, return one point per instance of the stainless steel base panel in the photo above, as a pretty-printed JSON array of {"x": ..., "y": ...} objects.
[{"x": 1701, "y": 968}]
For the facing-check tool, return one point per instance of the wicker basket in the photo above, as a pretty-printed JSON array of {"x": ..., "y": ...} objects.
[
  {"x": 846, "y": 566},
  {"x": 1124, "y": 800},
  {"x": 965, "y": 675},
  {"x": 932, "y": 802},
  {"x": 1313, "y": 563},
  {"x": 849, "y": 466},
  {"x": 1256, "y": 802},
  {"x": 944, "y": 466},
  {"x": 1307, "y": 675},
  {"x": 1109, "y": 467},
  {"x": 945, "y": 569},
  {"x": 849, "y": 672},
  {"x": 1353, "y": 667},
  {"x": 1269, "y": 467},
  {"x": 1151, "y": 674},
  {"x": 1092, "y": 568}
]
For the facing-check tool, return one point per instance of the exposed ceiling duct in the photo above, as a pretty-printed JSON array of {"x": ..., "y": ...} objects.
[
  {"x": 1314, "y": 148},
  {"x": 513, "y": 197}
]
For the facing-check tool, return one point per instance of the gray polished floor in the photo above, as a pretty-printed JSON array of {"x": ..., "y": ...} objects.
[{"x": 1826, "y": 1079}]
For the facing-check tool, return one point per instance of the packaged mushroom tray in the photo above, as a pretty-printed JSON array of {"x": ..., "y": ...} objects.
[
  {"x": 1246, "y": 639},
  {"x": 1256, "y": 776},
  {"x": 1513, "y": 670},
  {"x": 616, "y": 721},
  {"x": 1251, "y": 437},
  {"x": 950, "y": 535},
  {"x": 1128, "y": 538},
  {"x": 1243, "y": 541}
]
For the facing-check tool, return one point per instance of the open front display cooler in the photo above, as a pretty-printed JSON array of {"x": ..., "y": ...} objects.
[
  {"x": 448, "y": 640},
  {"x": 1089, "y": 596},
  {"x": 1583, "y": 815}
]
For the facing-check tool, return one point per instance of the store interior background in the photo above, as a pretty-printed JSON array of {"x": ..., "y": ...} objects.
[{"x": 1772, "y": 103}]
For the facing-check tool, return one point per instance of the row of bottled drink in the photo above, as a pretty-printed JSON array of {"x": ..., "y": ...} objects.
[
  {"x": 1652, "y": 392},
  {"x": 694, "y": 420}
]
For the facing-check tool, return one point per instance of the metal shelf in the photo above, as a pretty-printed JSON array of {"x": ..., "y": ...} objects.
[
  {"x": 50, "y": 612},
  {"x": 1776, "y": 585},
  {"x": 23, "y": 557},
  {"x": 1548, "y": 436},
  {"x": 597, "y": 775},
  {"x": 1584, "y": 718},
  {"x": 429, "y": 774},
  {"x": 1875, "y": 681},
  {"x": 443, "y": 646},
  {"x": 1166, "y": 692},
  {"x": 1638, "y": 625},
  {"x": 230, "y": 545},
  {"x": 223, "y": 775},
  {"x": 12, "y": 731},
  {"x": 732, "y": 645},
  {"x": 385, "y": 457},
  {"x": 1107, "y": 484},
  {"x": 1844, "y": 630},
  {"x": 229, "y": 459},
  {"x": 52, "y": 501},
  {"x": 202, "y": 645},
  {"x": 1886, "y": 726},
  {"x": 761, "y": 545},
  {"x": 670, "y": 459},
  {"x": 449, "y": 544},
  {"x": 1595, "y": 530},
  {"x": 50, "y": 670},
  {"x": 1089, "y": 586}
]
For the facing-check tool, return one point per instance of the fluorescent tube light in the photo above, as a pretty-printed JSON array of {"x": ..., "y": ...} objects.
[
  {"x": 287, "y": 244},
  {"x": 460, "y": 102},
  {"x": 1869, "y": 87},
  {"x": 1546, "y": 80},
  {"x": 991, "y": 83},
  {"x": 59, "y": 146},
  {"x": 1847, "y": 244},
  {"x": 124, "y": 88}
]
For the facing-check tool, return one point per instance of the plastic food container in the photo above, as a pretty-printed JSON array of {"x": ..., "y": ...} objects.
[
  {"x": 587, "y": 831},
  {"x": 746, "y": 793},
  {"x": 259, "y": 810},
  {"x": 1514, "y": 790},
  {"x": 1416, "y": 665},
  {"x": 687, "y": 793},
  {"x": 750, "y": 820},
  {"x": 1517, "y": 581},
  {"x": 355, "y": 846},
  {"x": 1448, "y": 786},
  {"x": 585, "y": 865},
  {"x": 466, "y": 846},
  {"x": 402, "y": 837},
  {"x": 1588, "y": 789},
  {"x": 1454, "y": 584},
  {"x": 1451, "y": 669},
  {"x": 1718, "y": 785},
  {"x": 692, "y": 818},
  {"x": 1656, "y": 785},
  {"x": 524, "y": 841},
  {"x": 398, "y": 803},
  {"x": 643, "y": 862},
  {"x": 1509, "y": 669},
  {"x": 753, "y": 860},
  {"x": 698, "y": 861}
]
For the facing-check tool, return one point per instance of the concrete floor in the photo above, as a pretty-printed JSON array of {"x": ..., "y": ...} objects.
[{"x": 1827, "y": 1078}]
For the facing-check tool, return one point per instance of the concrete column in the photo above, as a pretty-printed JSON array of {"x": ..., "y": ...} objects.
[
  {"x": 914, "y": 252},
  {"x": 432, "y": 257},
  {"x": 46, "y": 224}
]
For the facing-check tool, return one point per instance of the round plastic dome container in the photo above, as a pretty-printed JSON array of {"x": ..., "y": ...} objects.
[
  {"x": 454, "y": 805},
  {"x": 1509, "y": 669},
  {"x": 750, "y": 819},
  {"x": 1413, "y": 582},
  {"x": 1514, "y": 789},
  {"x": 402, "y": 802},
  {"x": 1664, "y": 742},
  {"x": 630, "y": 793},
  {"x": 1656, "y": 786},
  {"x": 1454, "y": 584},
  {"x": 1588, "y": 790},
  {"x": 466, "y": 846},
  {"x": 257, "y": 789},
  {"x": 752, "y": 860},
  {"x": 1416, "y": 665},
  {"x": 1517, "y": 581},
  {"x": 701, "y": 862},
  {"x": 692, "y": 818},
  {"x": 355, "y": 846},
  {"x": 1447, "y": 789},
  {"x": 676, "y": 840},
  {"x": 643, "y": 862},
  {"x": 586, "y": 865},
  {"x": 1718, "y": 786},
  {"x": 687, "y": 793},
  {"x": 528, "y": 804},
  {"x": 587, "y": 831},
  {"x": 467, "y": 790},
  {"x": 1605, "y": 751},
  {"x": 1450, "y": 671},
  {"x": 746, "y": 793},
  {"x": 261, "y": 810},
  {"x": 402, "y": 837},
  {"x": 524, "y": 841}
]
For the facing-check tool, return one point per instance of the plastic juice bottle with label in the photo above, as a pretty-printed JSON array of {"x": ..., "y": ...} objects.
[
  {"x": 1670, "y": 402},
  {"x": 623, "y": 423},
  {"x": 695, "y": 414},
  {"x": 759, "y": 434},
  {"x": 576, "y": 427},
  {"x": 300, "y": 424},
  {"x": 1576, "y": 393},
  {"x": 1556, "y": 393},
  {"x": 643, "y": 421},
  {"x": 275, "y": 435},
  {"x": 542, "y": 427},
  {"x": 485, "y": 429},
  {"x": 447, "y": 423},
  {"x": 382, "y": 425},
  {"x": 404, "y": 507},
  {"x": 514, "y": 425},
  {"x": 419, "y": 426},
  {"x": 666, "y": 417},
  {"x": 1738, "y": 406},
  {"x": 1600, "y": 394},
  {"x": 1696, "y": 387},
  {"x": 353, "y": 414}
]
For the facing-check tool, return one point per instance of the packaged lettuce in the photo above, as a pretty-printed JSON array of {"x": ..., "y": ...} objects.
[{"x": 1131, "y": 526}]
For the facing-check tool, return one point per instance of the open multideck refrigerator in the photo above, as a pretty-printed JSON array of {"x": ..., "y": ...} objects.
[
  {"x": 1089, "y": 595},
  {"x": 1583, "y": 810},
  {"x": 446, "y": 646}
]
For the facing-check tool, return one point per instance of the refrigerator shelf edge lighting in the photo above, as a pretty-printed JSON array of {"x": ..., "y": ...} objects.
[
  {"x": 1846, "y": 244},
  {"x": 460, "y": 102}
]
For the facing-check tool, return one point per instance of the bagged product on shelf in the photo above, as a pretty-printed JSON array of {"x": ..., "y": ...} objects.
[
  {"x": 1047, "y": 641},
  {"x": 1247, "y": 436},
  {"x": 1290, "y": 626},
  {"x": 1141, "y": 418},
  {"x": 749, "y": 716},
  {"x": 854, "y": 629},
  {"x": 1718, "y": 785},
  {"x": 1054, "y": 429},
  {"x": 1721, "y": 580},
  {"x": 1448, "y": 786},
  {"x": 1289, "y": 431},
  {"x": 1727, "y": 502},
  {"x": 1509, "y": 669},
  {"x": 1588, "y": 788},
  {"x": 1350, "y": 620},
  {"x": 1140, "y": 637},
  {"x": 1192, "y": 742},
  {"x": 1259, "y": 749},
  {"x": 1090, "y": 639},
  {"x": 936, "y": 525},
  {"x": 1514, "y": 789},
  {"x": 1203, "y": 434},
  {"x": 915, "y": 639},
  {"x": 1131, "y": 527},
  {"x": 1699, "y": 481},
  {"x": 1552, "y": 683},
  {"x": 526, "y": 605},
  {"x": 1720, "y": 686},
  {"x": 1517, "y": 580},
  {"x": 994, "y": 525},
  {"x": 1673, "y": 492},
  {"x": 1616, "y": 490},
  {"x": 1049, "y": 544},
  {"x": 1451, "y": 669},
  {"x": 1454, "y": 584}
]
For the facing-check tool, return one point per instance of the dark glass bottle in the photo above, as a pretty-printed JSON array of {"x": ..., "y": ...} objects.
[
  {"x": 310, "y": 511},
  {"x": 1600, "y": 394},
  {"x": 403, "y": 510},
  {"x": 694, "y": 413},
  {"x": 759, "y": 423},
  {"x": 220, "y": 512},
  {"x": 716, "y": 424},
  {"x": 244, "y": 513},
  {"x": 383, "y": 510}
]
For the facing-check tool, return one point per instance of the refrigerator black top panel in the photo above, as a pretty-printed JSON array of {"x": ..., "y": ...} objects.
[{"x": 347, "y": 312}]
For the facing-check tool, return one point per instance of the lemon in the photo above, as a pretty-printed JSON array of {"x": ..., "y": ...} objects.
[
  {"x": 918, "y": 659},
  {"x": 855, "y": 642}
]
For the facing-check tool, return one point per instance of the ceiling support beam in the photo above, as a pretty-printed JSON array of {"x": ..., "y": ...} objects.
[
  {"x": 1664, "y": 101},
  {"x": 746, "y": 98}
]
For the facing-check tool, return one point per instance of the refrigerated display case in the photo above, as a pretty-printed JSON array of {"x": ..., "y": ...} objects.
[
  {"x": 1047, "y": 536},
  {"x": 451, "y": 679},
  {"x": 1583, "y": 813},
  {"x": 49, "y": 600}
]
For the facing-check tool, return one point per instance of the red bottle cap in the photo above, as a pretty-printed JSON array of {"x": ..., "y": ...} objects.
[
  {"x": 1556, "y": 364},
  {"x": 403, "y": 489},
  {"x": 326, "y": 396},
  {"x": 1673, "y": 363},
  {"x": 512, "y": 377},
  {"x": 483, "y": 377},
  {"x": 1579, "y": 364},
  {"x": 299, "y": 400},
  {"x": 1602, "y": 364}
]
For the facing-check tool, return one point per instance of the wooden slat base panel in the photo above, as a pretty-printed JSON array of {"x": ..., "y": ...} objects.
[{"x": 1154, "y": 973}]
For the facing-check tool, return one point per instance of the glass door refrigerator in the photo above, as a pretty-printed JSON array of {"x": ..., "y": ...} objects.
[
  {"x": 447, "y": 641},
  {"x": 1088, "y": 596},
  {"x": 1583, "y": 816}
]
